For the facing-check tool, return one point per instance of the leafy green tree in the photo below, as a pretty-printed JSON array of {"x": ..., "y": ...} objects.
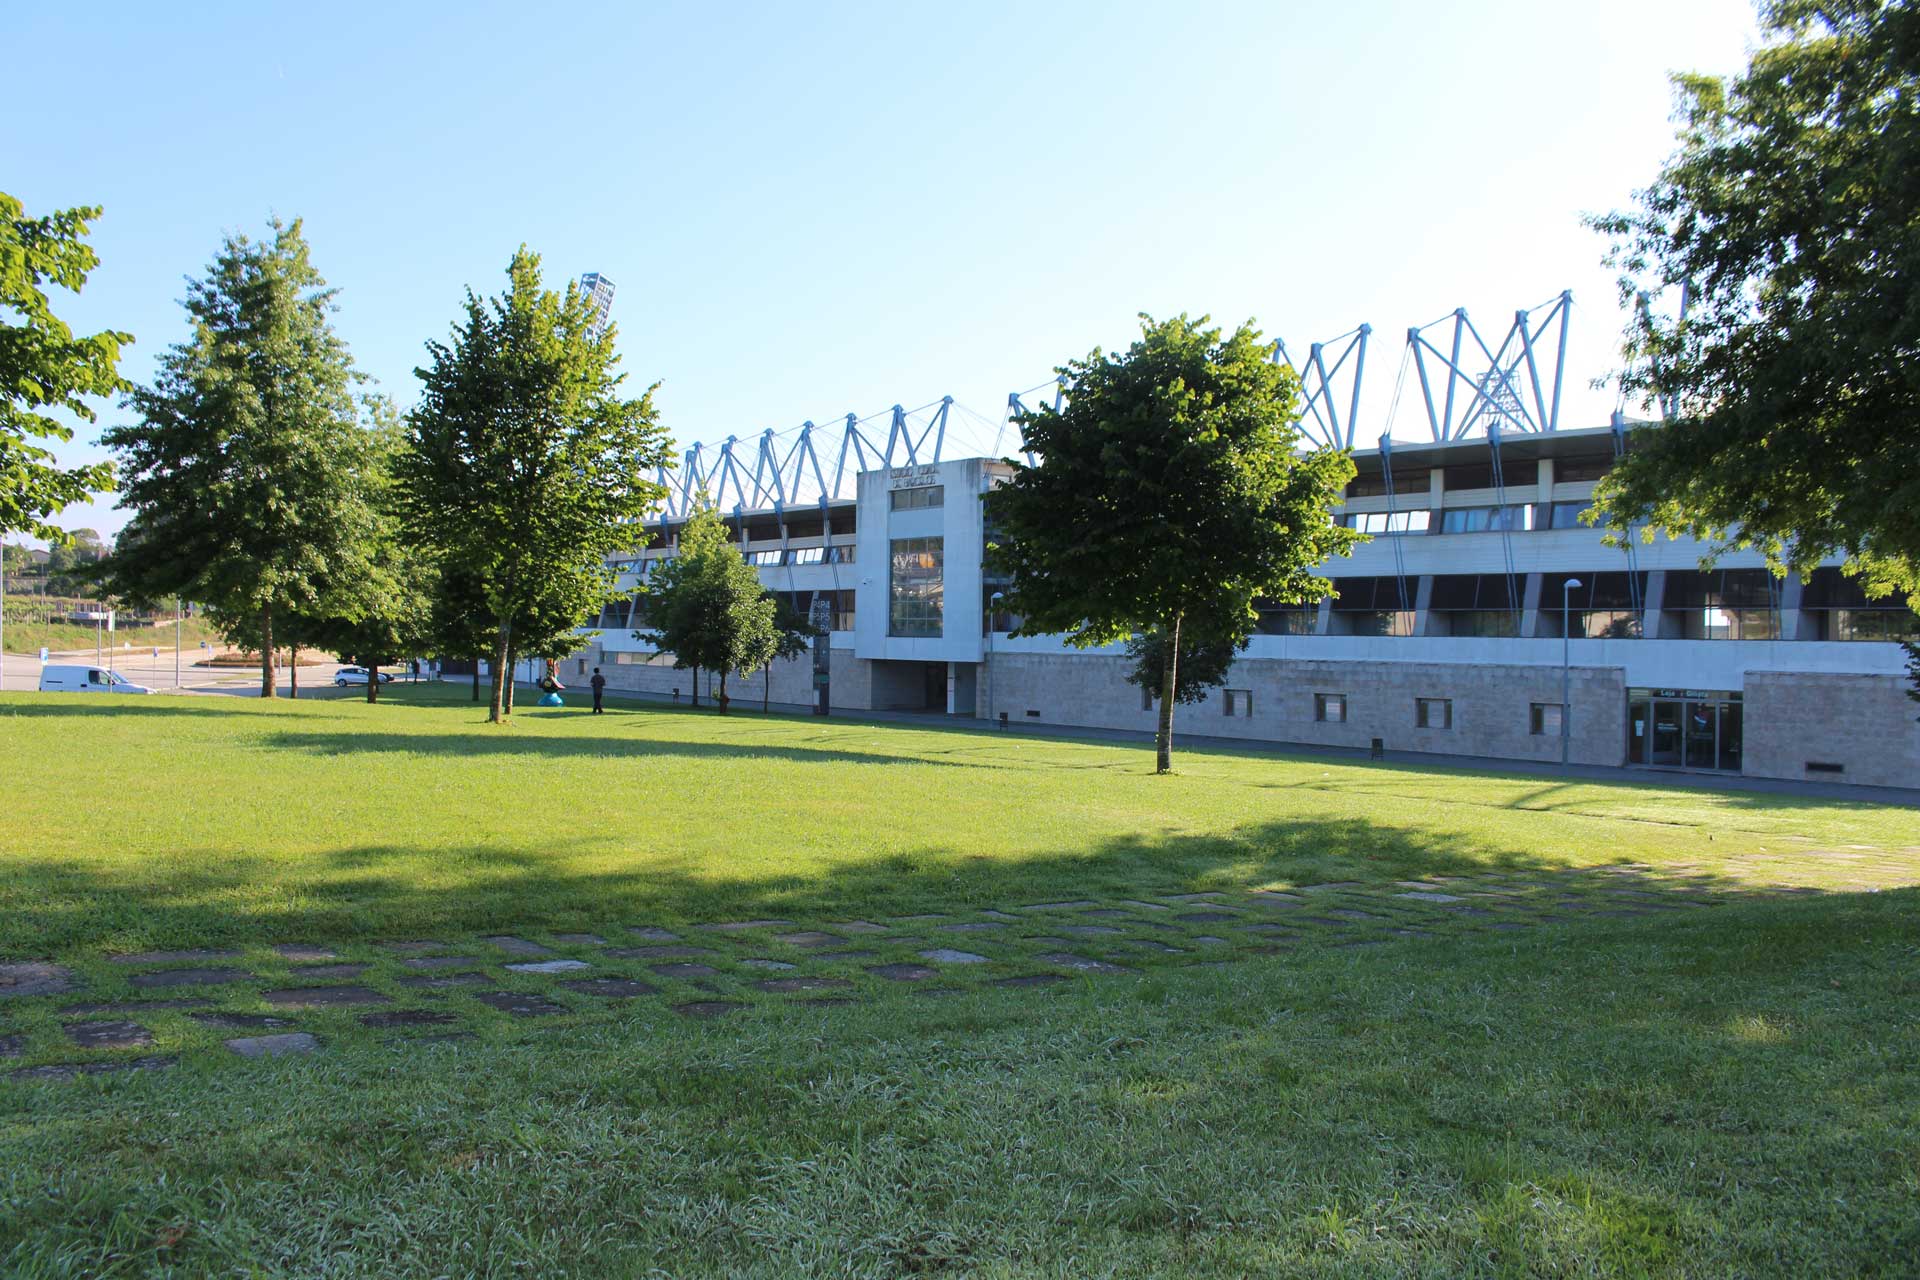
[
  {"x": 707, "y": 605},
  {"x": 390, "y": 613},
  {"x": 1205, "y": 658},
  {"x": 247, "y": 471},
  {"x": 1790, "y": 373},
  {"x": 525, "y": 466},
  {"x": 1171, "y": 487},
  {"x": 43, "y": 367}
]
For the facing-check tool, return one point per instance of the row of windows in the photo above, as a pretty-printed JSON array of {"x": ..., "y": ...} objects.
[
  {"x": 1412, "y": 480},
  {"x": 774, "y": 557},
  {"x": 932, "y": 495},
  {"x": 1428, "y": 713},
  {"x": 1520, "y": 517}
]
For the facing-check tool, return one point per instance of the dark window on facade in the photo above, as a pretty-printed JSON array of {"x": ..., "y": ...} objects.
[
  {"x": 1600, "y": 608},
  {"x": 1581, "y": 469},
  {"x": 932, "y": 495},
  {"x": 1543, "y": 718},
  {"x": 1724, "y": 604},
  {"x": 1330, "y": 708},
  {"x": 1374, "y": 484},
  {"x": 1513, "y": 518},
  {"x": 1559, "y": 515},
  {"x": 1286, "y": 619},
  {"x": 1842, "y": 610},
  {"x": 1374, "y": 606},
  {"x": 1477, "y": 604},
  {"x": 1238, "y": 702},
  {"x": 915, "y": 594},
  {"x": 1480, "y": 475},
  {"x": 1433, "y": 713}
]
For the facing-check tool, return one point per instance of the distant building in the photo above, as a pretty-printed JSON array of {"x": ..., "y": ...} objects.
[{"x": 599, "y": 291}]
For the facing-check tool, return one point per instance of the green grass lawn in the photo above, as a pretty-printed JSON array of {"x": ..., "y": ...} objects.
[{"x": 1619, "y": 1029}]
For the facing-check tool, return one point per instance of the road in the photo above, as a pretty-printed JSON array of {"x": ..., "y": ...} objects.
[{"x": 22, "y": 672}]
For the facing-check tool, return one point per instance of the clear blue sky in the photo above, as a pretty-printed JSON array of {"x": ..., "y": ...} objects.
[{"x": 822, "y": 208}]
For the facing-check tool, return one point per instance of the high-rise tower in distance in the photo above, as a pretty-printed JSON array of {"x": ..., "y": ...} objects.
[{"x": 599, "y": 291}]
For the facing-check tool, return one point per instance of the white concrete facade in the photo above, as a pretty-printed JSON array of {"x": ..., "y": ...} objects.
[{"x": 1814, "y": 705}]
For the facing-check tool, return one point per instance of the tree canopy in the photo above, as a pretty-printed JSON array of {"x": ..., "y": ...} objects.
[
  {"x": 1205, "y": 658},
  {"x": 1171, "y": 487},
  {"x": 46, "y": 370},
  {"x": 707, "y": 606},
  {"x": 526, "y": 467},
  {"x": 247, "y": 469},
  {"x": 1790, "y": 375}
]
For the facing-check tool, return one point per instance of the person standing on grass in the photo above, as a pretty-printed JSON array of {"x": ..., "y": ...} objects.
[{"x": 599, "y": 683}]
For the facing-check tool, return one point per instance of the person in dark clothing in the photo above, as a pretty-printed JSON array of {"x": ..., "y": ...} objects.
[{"x": 599, "y": 683}]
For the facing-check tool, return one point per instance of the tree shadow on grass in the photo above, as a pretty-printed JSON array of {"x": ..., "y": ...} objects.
[{"x": 370, "y": 892}]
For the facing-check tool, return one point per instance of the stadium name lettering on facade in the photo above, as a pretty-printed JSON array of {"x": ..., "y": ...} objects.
[{"x": 920, "y": 477}]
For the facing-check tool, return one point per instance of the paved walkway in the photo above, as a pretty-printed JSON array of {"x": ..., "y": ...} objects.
[{"x": 140, "y": 1011}]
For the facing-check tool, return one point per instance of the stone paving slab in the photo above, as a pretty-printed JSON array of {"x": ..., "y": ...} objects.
[
  {"x": 580, "y": 939},
  {"x": 549, "y": 966},
  {"x": 671, "y": 952},
  {"x": 781, "y": 985},
  {"x": 810, "y": 939},
  {"x": 841, "y": 957},
  {"x": 239, "y": 1021},
  {"x": 611, "y": 988},
  {"x": 969, "y": 926},
  {"x": 773, "y": 966},
  {"x": 429, "y": 964},
  {"x": 304, "y": 952},
  {"x": 740, "y": 926},
  {"x": 446, "y": 981},
  {"x": 108, "y": 1035},
  {"x": 903, "y": 972},
  {"x": 1081, "y": 964},
  {"x": 135, "y": 1007},
  {"x": 189, "y": 977},
  {"x": 520, "y": 1004},
  {"x": 859, "y": 926},
  {"x": 407, "y": 1018},
  {"x": 1089, "y": 930},
  {"x": 653, "y": 933},
  {"x": 323, "y": 997},
  {"x": 946, "y": 955},
  {"x": 12, "y": 1046},
  {"x": 293, "y": 1042},
  {"x": 1428, "y": 895},
  {"x": 175, "y": 957},
  {"x": 517, "y": 946},
  {"x": 685, "y": 969},
  {"x": 1074, "y": 905},
  {"x": 708, "y": 1008},
  {"x": 413, "y": 948},
  {"x": 349, "y": 970},
  {"x": 73, "y": 1070},
  {"x": 35, "y": 978}
]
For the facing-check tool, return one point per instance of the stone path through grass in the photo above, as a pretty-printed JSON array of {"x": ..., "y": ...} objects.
[{"x": 145, "y": 1011}]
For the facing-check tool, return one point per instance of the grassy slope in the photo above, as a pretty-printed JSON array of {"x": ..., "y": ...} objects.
[
  {"x": 161, "y": 822},
  {"x": 1711, "y": 1093},
  {"x": 67, "y": 637}
]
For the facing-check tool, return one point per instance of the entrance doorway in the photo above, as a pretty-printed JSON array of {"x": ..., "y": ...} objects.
[{"x": 1684, "y": 729}]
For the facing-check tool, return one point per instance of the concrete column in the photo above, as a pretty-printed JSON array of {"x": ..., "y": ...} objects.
[
  {"x": 1423, "y": 620},
  {"x": 1530, "y": 604},
  {"x": 1653, "y": 623},
  {"x": 1796, "y": 623}
]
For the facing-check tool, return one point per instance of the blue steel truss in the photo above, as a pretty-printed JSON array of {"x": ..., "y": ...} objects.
[
  {"x": 1321, "y": 422},
  {"x": 1503, "y": 384},
  {"x": 806, "y": 466}
]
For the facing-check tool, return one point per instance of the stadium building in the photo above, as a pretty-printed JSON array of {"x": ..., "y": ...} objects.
[{"x": 1483, "y": 619}]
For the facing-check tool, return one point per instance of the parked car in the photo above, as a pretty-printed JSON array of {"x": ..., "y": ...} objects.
[
  {"x": 356, "y": 675},
  {"x": 86, "y": 680}
]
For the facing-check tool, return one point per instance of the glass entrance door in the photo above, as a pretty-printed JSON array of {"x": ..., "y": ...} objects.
[
  {"x": 1667, "y": 733},
  {"x": 1689, "y": 733}
]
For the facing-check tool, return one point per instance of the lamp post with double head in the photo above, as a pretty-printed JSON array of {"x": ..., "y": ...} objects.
[{"x": 1566, "y": 664}]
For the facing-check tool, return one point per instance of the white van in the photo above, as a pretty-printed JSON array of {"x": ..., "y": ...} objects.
[{"x": 86, "y": 680}]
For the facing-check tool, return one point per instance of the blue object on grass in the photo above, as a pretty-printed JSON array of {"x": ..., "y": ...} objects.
[{"x": 552, "y": 700}]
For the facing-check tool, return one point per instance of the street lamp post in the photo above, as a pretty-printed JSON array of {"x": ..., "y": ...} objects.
[
  {"x": 993, "y": 603},
  {"x": 1566, "y": 664}
]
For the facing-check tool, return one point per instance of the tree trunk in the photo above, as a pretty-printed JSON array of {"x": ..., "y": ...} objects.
[
  {"x": 497, "y": 708},
  {"x": 266, "y": 652},
  {"x": 1169, "y": 682},
  {"x": 293, "y": 670},
  {"x": 513, "y": 661},
  {"x": 723, "y": 691},
  {"x": 766, "y": 692},
  {"x": 373, "y": 682},
  {"x": 696, "y": 685}
]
